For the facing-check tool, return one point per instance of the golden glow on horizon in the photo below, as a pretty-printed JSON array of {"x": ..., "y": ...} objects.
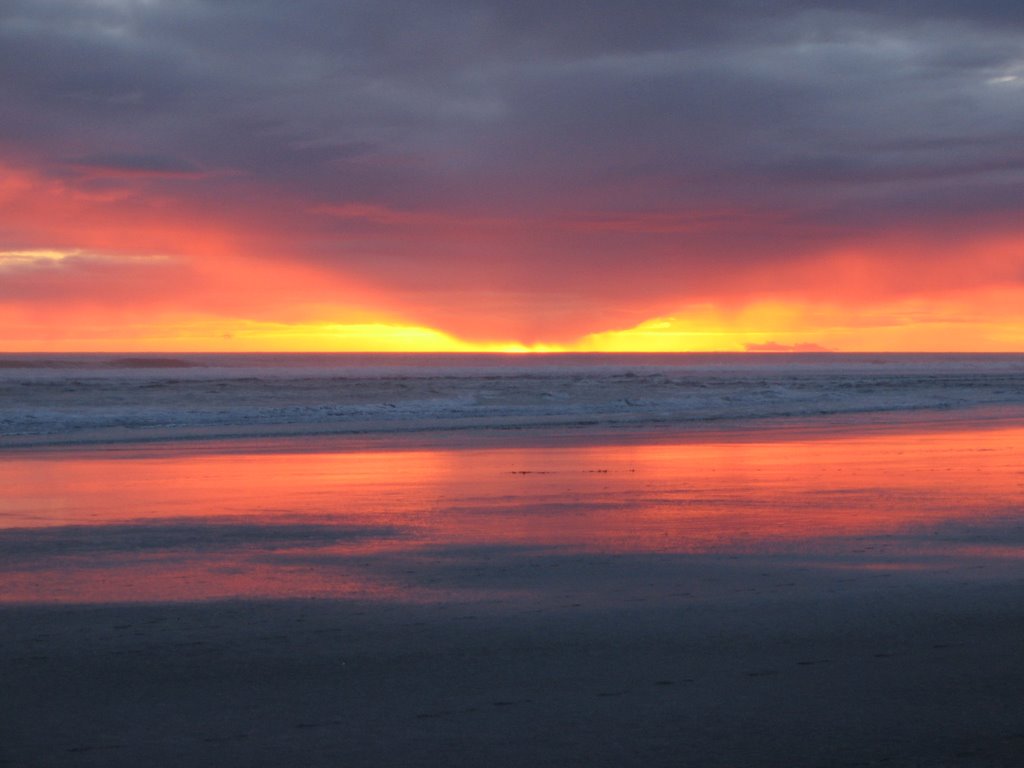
[
  {"x": 363, "y": 337},
  {"x": 217, "y": 335},
  {"x": 908, "y": 326},
  {"x": 983, "y": 321}
]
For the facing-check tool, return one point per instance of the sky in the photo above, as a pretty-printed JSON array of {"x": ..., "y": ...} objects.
[{"x": 451, "y": 175}]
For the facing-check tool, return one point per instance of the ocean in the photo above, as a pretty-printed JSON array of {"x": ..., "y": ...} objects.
[{"x": 108, "y": 398}]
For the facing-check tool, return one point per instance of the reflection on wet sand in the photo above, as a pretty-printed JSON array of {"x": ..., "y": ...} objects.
[{"x": 493, "y": 523}]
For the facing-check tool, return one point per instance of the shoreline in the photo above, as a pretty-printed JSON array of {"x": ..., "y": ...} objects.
[{"x": 449, "y": 436}]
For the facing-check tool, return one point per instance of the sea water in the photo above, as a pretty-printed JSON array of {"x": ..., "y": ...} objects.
[{"x": 100, "y": 398}]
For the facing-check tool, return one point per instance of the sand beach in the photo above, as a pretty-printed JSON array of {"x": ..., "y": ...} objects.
[{"x": 839, "y": 598}]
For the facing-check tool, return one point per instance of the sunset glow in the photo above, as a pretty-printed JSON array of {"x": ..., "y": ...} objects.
[{"x": 483, "y": 191}]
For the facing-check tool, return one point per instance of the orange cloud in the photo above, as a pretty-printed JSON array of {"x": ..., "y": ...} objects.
[{"x": 134, "y": 264}]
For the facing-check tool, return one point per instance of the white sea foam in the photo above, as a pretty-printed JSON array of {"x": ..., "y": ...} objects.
[{"x": 72, "y": 398}]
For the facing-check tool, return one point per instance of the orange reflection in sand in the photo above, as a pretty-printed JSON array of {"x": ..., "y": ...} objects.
[{"x": 110, "y": 526}]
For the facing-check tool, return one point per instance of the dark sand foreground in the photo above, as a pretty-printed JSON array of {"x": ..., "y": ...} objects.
[
  {"x": 834, "y": 603},
  {"x": 791, "y": 673}
]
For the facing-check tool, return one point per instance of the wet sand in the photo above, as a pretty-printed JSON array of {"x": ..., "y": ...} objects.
[
  {"x": 891, "y": 675},
  {"x": 843, "y": 602}
]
